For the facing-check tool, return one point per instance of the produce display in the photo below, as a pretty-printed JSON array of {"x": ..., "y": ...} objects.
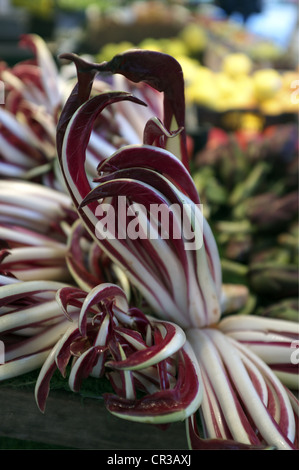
[
  {"x": 248, "y": 186},
  {"x": 239, "y": 83},
  {"x": 149, "y": 231}
]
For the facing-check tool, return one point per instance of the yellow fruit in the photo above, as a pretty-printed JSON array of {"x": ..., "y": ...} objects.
[
  {"x": 234, "y": 94},
  {"x": 110, "y": 49},
  {"x": 236, "y": 64},
  {"x": 203, "y": 89},
  {"x": 251, "y": 122},
  {"x": 266, "y": 51},
  {"x": 174, "y": 47},
  {"x": 151, "y": 44},
  {"x": 239, "y": 100},
  {"x": 189, "y": 67},
  {"x": 272, "y": 106},
  {"x": 225, "y": 84},
  {"x": 194, "y": 38},
  {"x": 289, "y": 102},
  {"x": 267, "y": 82},
  {"x": 290, "y": 80},
  {"x": 245, "y": 86}
]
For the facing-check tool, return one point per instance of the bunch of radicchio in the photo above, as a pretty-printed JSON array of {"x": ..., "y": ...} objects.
[{"x": 171, "y": 357}]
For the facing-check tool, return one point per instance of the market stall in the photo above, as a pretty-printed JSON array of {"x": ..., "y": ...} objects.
[{"x": 137, "y": 335}]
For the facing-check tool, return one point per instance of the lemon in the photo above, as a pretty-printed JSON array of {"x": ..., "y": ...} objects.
[
  {"x": 109, "y": 50},
  {"x": 239, "y": 100},
  {"x": 290, "y": 79},
  {"x": 234, "y": 93},
  {"x": 203, "y": 88},
  {"x": 225, "y": 84},
  {"x": 174, "y": 47},
  {"x": 289, "y": 103},
  {"x": 271, "y": 107},
  {"x": 189, "y": 67},
  {"x": 245, "y": 87},
  {"x": 251, "y": 122},
  {"x": 194, "y": 38},
  {"x": 266, "y": 51}
]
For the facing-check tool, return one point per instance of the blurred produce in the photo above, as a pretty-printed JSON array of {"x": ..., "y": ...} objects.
[
  {"x": 231, "y": 37},
  {"x": 285, "y": 309},
  {"x": 238, "y": 85},
  {"x": 248, "y": 182},
  {"x": 236, "y": 65},
  {"x": 226, "y": 68},
  {"x": 195, "y": 25},
  {"x": 194, "y": 37}
]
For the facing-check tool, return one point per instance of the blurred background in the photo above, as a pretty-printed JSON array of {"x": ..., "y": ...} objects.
[
  {"x": 269, "y": 26},
  {"x": 240, "y": 63},
  {"x": 225, "y": 40}
]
